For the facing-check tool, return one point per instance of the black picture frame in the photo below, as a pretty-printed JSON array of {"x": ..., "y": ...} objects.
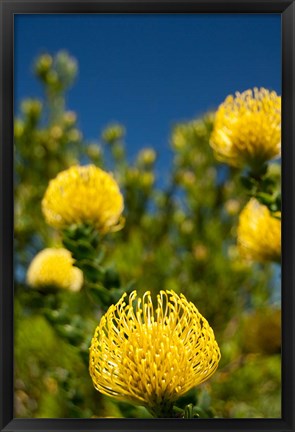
[{"x": 8, "y": 8}]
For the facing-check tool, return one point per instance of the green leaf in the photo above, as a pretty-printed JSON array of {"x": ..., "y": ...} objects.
[
  {"x": 200, "y": 412},
  {"x": 99, "y": 294},
  {"x": 112, "y": 278},
  {"x": 279, "y": 201},
  {"x": 188, "y": 411},
  {"x": 204, "y": 400},
  {"x": 258, "y": 171},
  {"x": 93, "y": 272},
  {"x": 84, "y": 249},
  {"x": 265, "y": 198},
  {"x": 178, "y": 412},
  {"x": 116, "y": 293},
  {"x": 69, "y": 244},
  {"x": 248, "y": 182}
]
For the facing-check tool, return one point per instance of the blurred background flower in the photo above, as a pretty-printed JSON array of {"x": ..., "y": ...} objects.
[
  {"x": 53, "y": 268},
  {"x": 247, "y": 129},
  {"x": 83, "y": 195},
  {"x": 259, "y": 233}
]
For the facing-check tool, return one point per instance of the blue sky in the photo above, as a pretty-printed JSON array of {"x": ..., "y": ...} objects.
[{"x": 150, "y": 71}]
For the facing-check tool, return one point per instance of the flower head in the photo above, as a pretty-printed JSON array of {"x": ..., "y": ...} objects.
[
  {"x": 259, "y": 233},
  {"x": 147, "y": 157},
  {"x": 152, "y": 354},
  {"x": 54, "y": 267},
  {"x": 83, "y": 194},
  {"x": 247, "y": 128}
]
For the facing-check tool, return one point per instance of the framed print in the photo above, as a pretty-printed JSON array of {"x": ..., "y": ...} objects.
[{"x": 147, "y": 234}]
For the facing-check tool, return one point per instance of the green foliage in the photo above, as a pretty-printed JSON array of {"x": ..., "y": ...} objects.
[
  {"x": 180, "y": 234},
  {"x": 251, "y": 387},
  {"x": 102, "y": 283},
  {"x": 41, "y": 377},
  {"x": 265, "y": 186},
  {"x": 47, "y": 140}
]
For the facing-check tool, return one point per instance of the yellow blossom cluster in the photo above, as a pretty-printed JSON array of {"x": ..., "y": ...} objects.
[
  {"x": 54, "y": 268},
  {"x": 259, "y": 233},
  {"x": 152, "y": 354},
  {"x": 247, "y": 128},
  {"x": 83, "y": 194}
]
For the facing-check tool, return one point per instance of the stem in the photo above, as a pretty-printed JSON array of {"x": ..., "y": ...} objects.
[{"x": 162, "y": 411}]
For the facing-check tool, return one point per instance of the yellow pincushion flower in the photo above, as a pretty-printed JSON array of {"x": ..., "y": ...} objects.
[
  {"x": 54, "y": 267},
  {"x": 152, "y": 355},
  {"x": 247, "y": 128},
  {"x": 259, "y": 233},
  {"x": 83, "y": 194}
]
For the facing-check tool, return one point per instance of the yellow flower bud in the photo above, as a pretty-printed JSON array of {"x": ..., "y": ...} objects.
[
  {"x": 200, "y": 252},
  {"x": 94, "y": 151},
  {"x": 232, "y": 207},
  {"x": 70, "y": 118},
  {"x": 74, "y": 135},
  {"x": 18, "y": 128},
  {"x": 147, "y": 157},
  {"x": 43, "y": 64},
  {"x": 113, "y": 133},
  {"x": 32, "y": 108},
  {"x": 56, "y": 132},
  {"x": 147, "y": 179}
]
